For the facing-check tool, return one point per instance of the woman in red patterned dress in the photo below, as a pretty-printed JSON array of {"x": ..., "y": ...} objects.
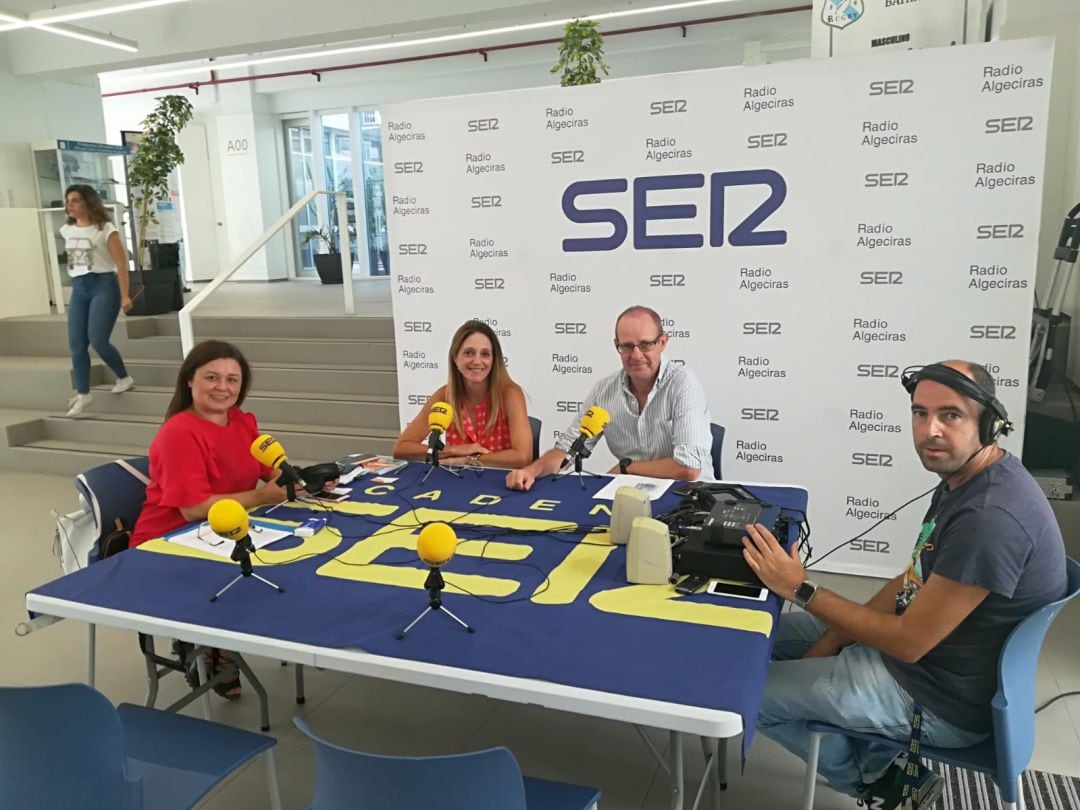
[{"x": 490, "y": 425}]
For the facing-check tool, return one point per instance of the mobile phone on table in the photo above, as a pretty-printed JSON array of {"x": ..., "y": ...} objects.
[
  {"x": 738, "y": 590},
  {"x": 691, "y": 584}
]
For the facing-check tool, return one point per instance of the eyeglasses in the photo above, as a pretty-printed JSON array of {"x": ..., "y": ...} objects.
[{"x": 645, "y": 345}]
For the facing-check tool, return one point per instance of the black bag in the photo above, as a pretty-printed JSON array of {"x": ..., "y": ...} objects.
[{"x": 115, "y": 541}]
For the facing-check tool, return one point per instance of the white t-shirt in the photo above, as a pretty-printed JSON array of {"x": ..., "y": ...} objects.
[{"x": 88, "y": 249}]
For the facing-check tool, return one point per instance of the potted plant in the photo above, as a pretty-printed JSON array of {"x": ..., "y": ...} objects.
[
  {"x": 327, "y": 265},
  {"x": 581, "y": 54},
  {"x": 154, "y": 158}
]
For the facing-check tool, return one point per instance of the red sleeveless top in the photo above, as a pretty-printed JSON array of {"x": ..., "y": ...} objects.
[{"x": 498, "y": 438}]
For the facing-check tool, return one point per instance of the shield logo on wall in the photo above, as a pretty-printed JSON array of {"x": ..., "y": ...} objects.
[{"x": 841, "y": 13}]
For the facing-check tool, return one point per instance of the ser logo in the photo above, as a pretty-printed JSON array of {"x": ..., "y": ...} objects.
[
  {"x": 417, "y": 326},
  {"x": 1015, "y": 123},
  {"x": 409, "y": 167},
  {"x": 761, "y": 328},
  {"x": 486, "y": 201},
  {"x": 568, "y": 156},
  {"x": 1006, "y": 231},
  {"x": 885, "y": 179},
  {"x": 871, "y": 460},
  {"x": 567, "y": 406},
  {"x": 489, "y": 283},
  {"x": 881, "y": 277},
  {"x": 416, "y": 399},
  {"x": 878, "y": 371},
  {"x": 667, "y": 280},
  {"x": 482, "y": 125},
  {"x": 566, "y": 328},
  {"x": 760, "y": 414},
  {"x": 892, "y": 87},
  {"x": 872, "y": 546},
  {"x": 412, "y": 249},
  {"x": 992, "y": 331},
  {"x": 769, "y": 140},
  {"x": 667, "y": 106},
  {"x": 743, "y": 234}
]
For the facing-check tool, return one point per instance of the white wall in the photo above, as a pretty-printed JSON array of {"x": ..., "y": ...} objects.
[{"x": 37, "y": 111}]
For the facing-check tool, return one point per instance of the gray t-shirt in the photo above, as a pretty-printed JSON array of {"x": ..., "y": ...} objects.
[{"x": 996, "y": 531}]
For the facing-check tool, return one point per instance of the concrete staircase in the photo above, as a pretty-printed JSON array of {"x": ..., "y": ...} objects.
[{"x": 322, "y": 386}]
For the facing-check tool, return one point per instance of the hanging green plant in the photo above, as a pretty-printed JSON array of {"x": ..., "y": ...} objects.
[
  {"x": 581, "y": 54},
  {"x": 156, "y": 157}
]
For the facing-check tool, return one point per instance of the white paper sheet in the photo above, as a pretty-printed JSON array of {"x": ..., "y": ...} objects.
[
  {"x": 200, "y": 537},
  {"x": 653, "y": 487}
]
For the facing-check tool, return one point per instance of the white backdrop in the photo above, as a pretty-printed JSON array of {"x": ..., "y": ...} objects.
[{"x": 806, "y": 230}]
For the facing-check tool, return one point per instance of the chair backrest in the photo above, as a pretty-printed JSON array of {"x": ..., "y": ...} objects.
[
  {"x": 1013, "y": 707},
  {"x": 717, "y": 449},
  {"x": 62, "y": 746},
  {"x": 111, "y": 492},
  {"x": 352, "y": 780},
  {"x": 535, "y": 424}
]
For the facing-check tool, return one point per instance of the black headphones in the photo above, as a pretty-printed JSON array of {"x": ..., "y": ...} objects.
[
  {"x": 994, "y": 420},
  {"x": 317, "y": 475}
]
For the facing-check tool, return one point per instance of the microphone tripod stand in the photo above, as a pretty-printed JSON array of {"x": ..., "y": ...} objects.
[
  {"x": 241, "y": 553},
  {"x": 435, "y": 446},
  {"x": 434, "y": 584},
  {"x": 579, "y": 457}
]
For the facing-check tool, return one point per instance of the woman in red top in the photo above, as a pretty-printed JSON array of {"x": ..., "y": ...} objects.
[
  {"x": 203, "y": 454},
  {"x": 490, "y": 423}
]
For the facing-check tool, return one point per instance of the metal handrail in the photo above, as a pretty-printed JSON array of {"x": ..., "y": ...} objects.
[{"x": 187, "y": 330}]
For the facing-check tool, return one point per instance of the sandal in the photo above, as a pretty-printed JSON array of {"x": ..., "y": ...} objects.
[
  {"x": 230, "y": 687},
  {"x": 216, "y": 661}
]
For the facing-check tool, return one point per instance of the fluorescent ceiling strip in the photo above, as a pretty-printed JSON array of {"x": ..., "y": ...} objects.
[
  {"x": 395, "y": 44},
  {"x": 82, "y": 34},
  {"x": 83, "y": 12}
]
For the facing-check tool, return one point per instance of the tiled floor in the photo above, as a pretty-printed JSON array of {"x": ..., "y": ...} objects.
[{"x": 393, "y": 718}]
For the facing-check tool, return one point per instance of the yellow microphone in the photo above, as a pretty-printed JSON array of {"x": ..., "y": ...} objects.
[
  {"x": 442, "y": 414},
  {"x": 229, "y": 519},
  {"x": 436, "y": 544},
  {"x": 268, "y": 451},
  {"x": 592, "y": 425}
]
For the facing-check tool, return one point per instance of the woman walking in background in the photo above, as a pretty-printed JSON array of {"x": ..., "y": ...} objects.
[{"x": 97, "y": 264}]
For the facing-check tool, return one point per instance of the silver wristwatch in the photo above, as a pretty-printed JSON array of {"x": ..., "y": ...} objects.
[{"x": 804, "y": 593}]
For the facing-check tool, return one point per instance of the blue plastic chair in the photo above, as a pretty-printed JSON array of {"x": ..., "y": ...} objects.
[
  {"x": 66, "y": 746},
  {"x": 1005, "y": 754},
  {"x": 112, "y": 492},
  {"x": 479, "y": 780},
  {"x": 717, "y": 449},
  {"x": 536, "y": 425}
]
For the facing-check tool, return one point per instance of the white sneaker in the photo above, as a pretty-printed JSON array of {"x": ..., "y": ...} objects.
[
  {"x": 78, "y": 404},
  {"x": 122, "y": 385}
]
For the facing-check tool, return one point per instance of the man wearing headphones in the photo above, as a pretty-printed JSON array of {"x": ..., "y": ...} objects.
[{"x": 923, "y": 652}]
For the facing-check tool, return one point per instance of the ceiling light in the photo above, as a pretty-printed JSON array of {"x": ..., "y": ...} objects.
[
  {"x": 84, "y": 11},
  {"x": 108, "y": 40},
  {"x": 395, "y": 44}
]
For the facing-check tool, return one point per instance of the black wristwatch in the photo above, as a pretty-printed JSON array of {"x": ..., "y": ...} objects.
[
  {"x": 624, "y": 464},
  {"x": 804, "y": 593}
]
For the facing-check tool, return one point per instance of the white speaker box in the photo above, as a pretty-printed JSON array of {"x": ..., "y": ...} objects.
[
  {"x": 629, "y": 503},
  {"x": 648, "y": 554}
]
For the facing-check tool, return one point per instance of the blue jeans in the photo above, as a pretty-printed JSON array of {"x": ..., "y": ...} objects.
[
  {"x": 851, "y": 690},
  {"x": 92, "y": 313}
]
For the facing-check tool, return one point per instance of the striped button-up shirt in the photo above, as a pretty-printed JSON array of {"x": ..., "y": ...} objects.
[{"x": 674, "y": 423}]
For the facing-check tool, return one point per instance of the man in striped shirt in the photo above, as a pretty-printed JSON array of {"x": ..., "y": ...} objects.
[{"x": 659, "y": 415}]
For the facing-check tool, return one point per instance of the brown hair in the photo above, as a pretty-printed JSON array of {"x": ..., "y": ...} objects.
[
  {"x": 99, "y": 215},
  {"x": 499, "y": 380},
  {"x": 206, "y": 352}
]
